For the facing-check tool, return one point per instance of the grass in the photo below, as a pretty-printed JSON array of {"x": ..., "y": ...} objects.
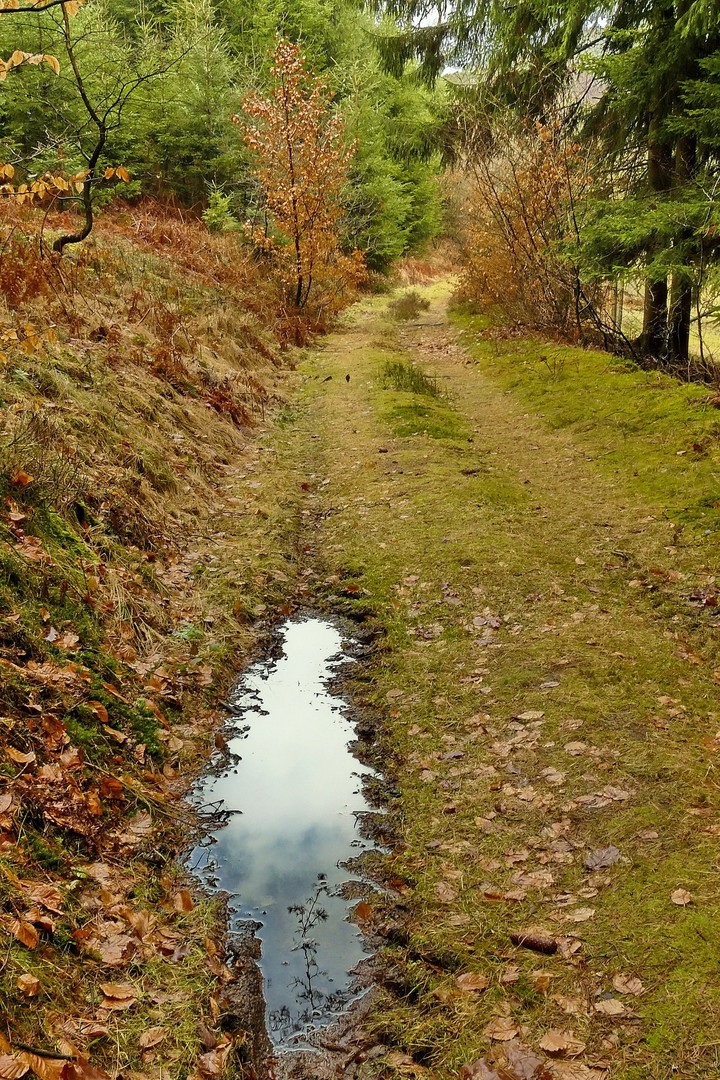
[
  {"x": 408, "y": 376},
  {"x": 539, "y": 555},
  {"x": 661, "y": 436}
]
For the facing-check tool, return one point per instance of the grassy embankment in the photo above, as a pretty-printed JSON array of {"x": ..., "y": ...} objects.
[
  {"x": 540, "y": 544},
  {"x": 143, "y": 534}
]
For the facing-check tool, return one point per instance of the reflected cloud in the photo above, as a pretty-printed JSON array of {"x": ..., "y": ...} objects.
[{"x": 298, "y": 790}]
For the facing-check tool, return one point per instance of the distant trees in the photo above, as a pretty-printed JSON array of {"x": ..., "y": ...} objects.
[
  {"x": 650, "y": 115},
  {"x": 163, "y": 81}
]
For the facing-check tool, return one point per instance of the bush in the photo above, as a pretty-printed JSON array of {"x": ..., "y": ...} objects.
[{"x": 408, "y": 306}]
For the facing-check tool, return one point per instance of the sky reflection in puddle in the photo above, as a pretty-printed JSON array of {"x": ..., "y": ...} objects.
[{"x": 298, "y": 789}]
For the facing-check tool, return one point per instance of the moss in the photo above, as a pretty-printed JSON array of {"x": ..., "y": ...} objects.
[{"x": 534, "y": 570}]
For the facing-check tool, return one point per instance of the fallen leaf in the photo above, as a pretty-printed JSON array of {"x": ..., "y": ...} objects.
[
  {"x": 111, "y": 789},
  {"x": 610, "y": 1007},
  {"x": 573, "y": 1006},
  {"x": 83, "y": 1070},
  {"x": 362, "y": 911},
  {"x": 118, "y": 995},
  {"x": 681, "y": 897},
  {"x": 471, "y": 982},
  {"x": 67, "y": 640},
  {"x": 25, "y": 933},
  {"x": 581, "y": 914},
  {"x": 556, "y": 1041},
  {"x": 100, "y": 711},
  {"x": 530, "y": 714},
  {"x": 602, "y": 858},
  {"x": 628, "y": 984},
  {"x": 21, "y": 478},
  {"x": 183, "y": 901},
  {"x": 11, "y": 1067},
  {"x": 28, "y": 985},
  {"x": 524, "y": 1064},
  {"x": 445, "y": 892},
  {"x": 575, "y": 1070},
  {"x": 479, "y": 1070},
  {"x": 46, "y": 1068},
  {"x": 48, "y": 897},
  {"x": 18, "y": 756},
  {"x": 152, "y": 1037},
  {"x": 541, "y": 980},
  {"x": 501, "y": 1028}
]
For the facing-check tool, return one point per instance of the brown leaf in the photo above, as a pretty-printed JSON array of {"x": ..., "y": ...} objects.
[
  {"x": 362, "y": 911},
  {"x": 11, "y": 1067},
  {"x": 525, "y": 1064},
  {"x": 28, "y": 985},
  {"x": 152, "y": 1037},
  {"x": 116, "y": 950},
  {"x": 100, "y": 711},
  {"x": 118, "y": 995},
  {"x": 18, "y": 756},
  {"x": 183, "y": 901},
  {"x": 81, "y": 1069},
  {"x": 480, "y": 1070},
  {"x": 628, "y": 984},
  {"x": 602, "y": 857},
  {"x": 681, "y": 897},
  {"x": 404, "y": 1063},
  {"x": 575, "y": 1070},
  {"x": 68, "y": 640},
  {"x": 21, "y": 478},
  {"x": 581, "y": 914},
  {"x": 47, "y": 1068},
  {"x": 25, "y": 933},
  {"x": 111, "y": 789},
  {"x": 541, "y": 980},
  {"x": 561, "y": 1042},
  {"x": 501, "y": 1028},
  {"x": 47, "y": 896},
  {"x": 610, "y": 1007},
  {"x": 472, "y": 983}
]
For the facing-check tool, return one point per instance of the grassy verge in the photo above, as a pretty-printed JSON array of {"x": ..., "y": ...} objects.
[
  {"x": 145, "y": 534},
  {"x": 549, "y": 685}
]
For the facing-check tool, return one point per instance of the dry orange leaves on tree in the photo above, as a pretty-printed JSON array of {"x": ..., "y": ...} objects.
[{"x": 303, "y": 160}]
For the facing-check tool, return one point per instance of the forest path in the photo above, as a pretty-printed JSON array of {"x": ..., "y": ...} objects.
[{"x": 551, "y": 707}]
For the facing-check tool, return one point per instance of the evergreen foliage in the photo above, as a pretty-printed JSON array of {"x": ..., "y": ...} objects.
[
  {"x": 640, "y": 81},
  {"x": 195, "y": 63}
]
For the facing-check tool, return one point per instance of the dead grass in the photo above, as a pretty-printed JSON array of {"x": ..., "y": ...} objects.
[{"x": 144, "y": 535}]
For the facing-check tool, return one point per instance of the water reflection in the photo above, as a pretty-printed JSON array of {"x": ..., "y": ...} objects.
[{"x": 298, "y": 789}]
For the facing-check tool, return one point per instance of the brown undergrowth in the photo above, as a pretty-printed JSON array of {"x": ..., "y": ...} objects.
[{"x": 138, "y": 549}]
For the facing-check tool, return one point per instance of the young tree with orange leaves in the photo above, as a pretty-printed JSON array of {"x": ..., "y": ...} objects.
[{"x": 303, "y": 161}]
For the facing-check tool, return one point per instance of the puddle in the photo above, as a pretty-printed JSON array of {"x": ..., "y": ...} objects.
[{"x": 294, "y": 796}]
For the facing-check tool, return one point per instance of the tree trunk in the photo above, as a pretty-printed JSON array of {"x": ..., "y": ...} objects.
[
  {"x": 680, "y": 316},
  {"x": 653, "y": 340},
  {"x": 680, "y": 320}
]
